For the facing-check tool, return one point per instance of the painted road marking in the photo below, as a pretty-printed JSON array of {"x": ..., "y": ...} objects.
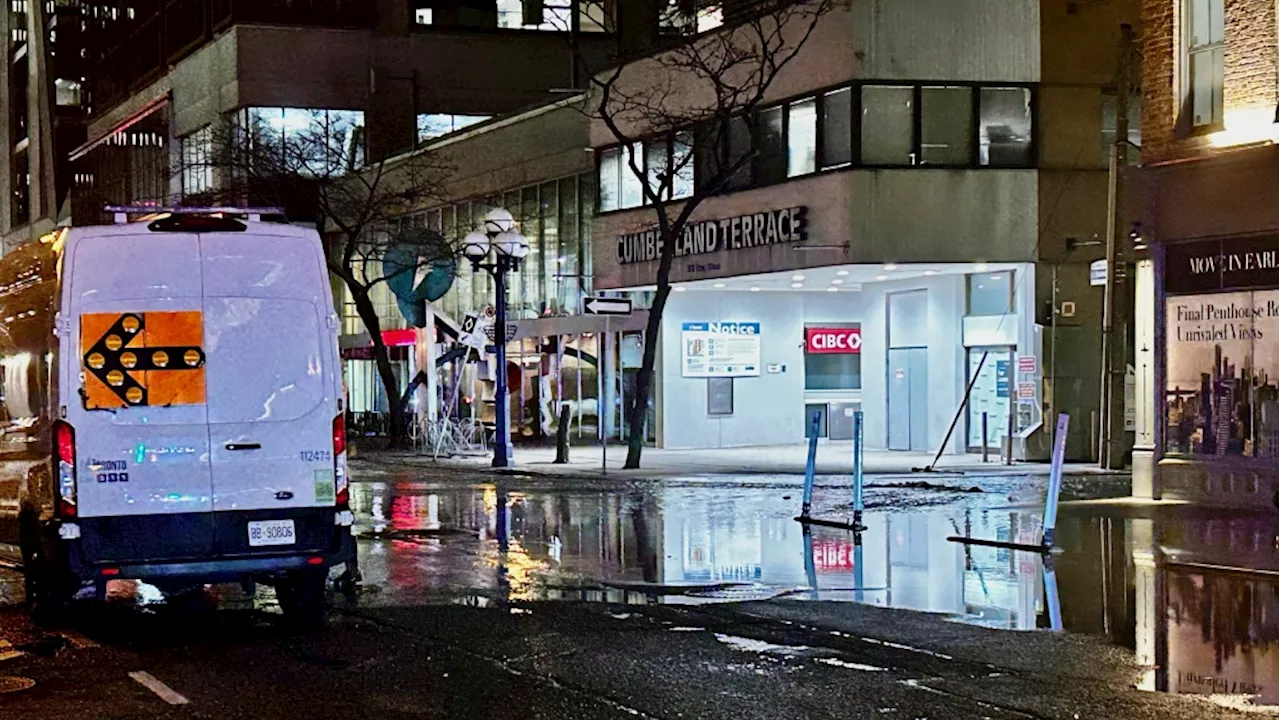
[
  {"x": 166, "y": 693},
  {"x": 78, "y": 641},
  {"x": 7, "y": 652}
]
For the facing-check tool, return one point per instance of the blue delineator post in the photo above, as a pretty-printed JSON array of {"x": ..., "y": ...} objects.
[
  {"x": 810, "y": 466},
  {"x": 1055, "y": 482},
  {"x": 857, "y": 470}
]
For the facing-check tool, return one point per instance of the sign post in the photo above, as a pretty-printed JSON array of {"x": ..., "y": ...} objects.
[
  {"x": 857, "y": 472},
  {"x": 1055, "y": 481}
]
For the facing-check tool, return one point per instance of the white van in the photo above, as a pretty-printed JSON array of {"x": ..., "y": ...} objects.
[{"x": 172, "y": 409}]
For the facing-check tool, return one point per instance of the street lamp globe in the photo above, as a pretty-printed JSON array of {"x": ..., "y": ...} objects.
[
  {"x": 511, "y": 243},
  {"x": 475, "y": 245},
  {"x": 498, "y": 220}
]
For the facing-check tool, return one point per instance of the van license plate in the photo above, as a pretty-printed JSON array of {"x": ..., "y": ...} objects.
[{"x": 271, "y": 532}]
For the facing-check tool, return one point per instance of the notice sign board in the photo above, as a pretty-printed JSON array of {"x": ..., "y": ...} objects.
[{"x": 719, "y": 349}]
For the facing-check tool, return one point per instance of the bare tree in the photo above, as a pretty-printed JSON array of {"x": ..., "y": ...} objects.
[
  {"x": 699, "y": 93},
  {"x": 311, "y": 164}
]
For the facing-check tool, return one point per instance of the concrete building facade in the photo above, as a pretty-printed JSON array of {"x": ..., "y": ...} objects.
[{"x": 939, "y": 191}]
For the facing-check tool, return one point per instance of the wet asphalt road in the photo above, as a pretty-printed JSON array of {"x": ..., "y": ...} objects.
[{"x": 698, "y": 599}]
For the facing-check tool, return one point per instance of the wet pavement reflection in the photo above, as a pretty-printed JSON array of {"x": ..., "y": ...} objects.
[{"x": 1192, "y": 591}]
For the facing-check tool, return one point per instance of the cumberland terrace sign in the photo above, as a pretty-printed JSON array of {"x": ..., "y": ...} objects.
[{"x": 708, "y": 236}]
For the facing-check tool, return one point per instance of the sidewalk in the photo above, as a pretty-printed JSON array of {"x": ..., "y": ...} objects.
[{"x": 834, "y": 458}]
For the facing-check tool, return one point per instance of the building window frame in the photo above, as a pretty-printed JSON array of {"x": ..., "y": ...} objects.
[
  {"x": 720, "y": 154},
  {"x": 1213, "y": 48}
]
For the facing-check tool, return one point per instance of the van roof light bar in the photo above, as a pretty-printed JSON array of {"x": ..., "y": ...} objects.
[{"x": 121, "y": 213}]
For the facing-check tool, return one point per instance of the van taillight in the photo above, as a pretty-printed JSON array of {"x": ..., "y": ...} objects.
[
  {"x": 64, "y": 441},
  {"x": 342, "y": 490}
]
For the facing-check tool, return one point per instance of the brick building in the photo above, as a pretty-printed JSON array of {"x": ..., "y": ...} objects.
[{"x": 1207, "y": 307}]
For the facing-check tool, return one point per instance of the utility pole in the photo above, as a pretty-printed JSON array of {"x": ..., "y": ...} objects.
[{"x": 1118, "y": 159}]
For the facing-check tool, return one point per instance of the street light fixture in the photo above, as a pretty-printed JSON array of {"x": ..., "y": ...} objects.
[{"x": 497, "y": 237}]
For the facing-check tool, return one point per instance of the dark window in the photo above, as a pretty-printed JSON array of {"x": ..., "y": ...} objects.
[
  {"x": 738, "y": 152},
  {"x": 887, "y": 125},
  {"x": 990, "y": 293},
  {"x": 771, "y": 159},
  {"x": 832, "y": 372},
  {"x": 946, "y": 125},
  {"x": 1004, "y": 138},
  {"x": 837, "y": 128}
]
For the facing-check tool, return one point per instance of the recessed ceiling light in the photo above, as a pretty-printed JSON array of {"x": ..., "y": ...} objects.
[
  {"x": 797, "y": 278},
  {"x": 842, "y": 273},
  {"x": 678, "y": 288},
  {"x": 755, "y": 289},
  {"x": 891, "y": 266},
  {"x": 995, "y": 277},
  {"x": 832, "y": 289},
  {"x": 837, "y": 281},
  {"x": 980, "y": 267},
  {"x": 930, "y": 272},
  {"x": 797, "y": 285},
  {"x": 718, "y": 285},
  {"x": 882, "y": 277}
]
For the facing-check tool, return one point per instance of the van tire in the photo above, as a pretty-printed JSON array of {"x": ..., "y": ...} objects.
[
  {"x": 302, "y": 598},
  {"x": 48, "y": 597}
]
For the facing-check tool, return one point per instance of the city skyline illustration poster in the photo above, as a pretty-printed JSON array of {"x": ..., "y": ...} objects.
[{"x": 1222, "y": 368}]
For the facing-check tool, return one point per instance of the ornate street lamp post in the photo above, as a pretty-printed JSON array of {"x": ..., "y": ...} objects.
[{"x": 497, "y": 247}]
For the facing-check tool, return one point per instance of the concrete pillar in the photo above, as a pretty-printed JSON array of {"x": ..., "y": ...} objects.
[
  {"x": 43, "y": 196},
  {"x": 391, "y": 123},
  {"x": 1146, "y": 393}
]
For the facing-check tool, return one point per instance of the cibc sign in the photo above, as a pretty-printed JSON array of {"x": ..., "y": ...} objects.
[{"x": 829, "y": 341}]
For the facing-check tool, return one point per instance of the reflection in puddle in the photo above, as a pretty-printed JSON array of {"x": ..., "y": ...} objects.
[{"x": 1149, "y": 579}]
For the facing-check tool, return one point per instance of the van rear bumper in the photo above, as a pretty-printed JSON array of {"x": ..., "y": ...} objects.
[
  {"x": 215, "y": 570},
  {"x": 142, "y": 547}
]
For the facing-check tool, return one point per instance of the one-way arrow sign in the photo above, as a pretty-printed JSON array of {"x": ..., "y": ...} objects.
[{"x": 606, "y": 306}]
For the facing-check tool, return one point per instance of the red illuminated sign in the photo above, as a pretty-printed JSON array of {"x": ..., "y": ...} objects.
[
  {"x": 818, "y": 340},
  {"x": 398, "y": 338},
  {"x": 832, "y": 556}
]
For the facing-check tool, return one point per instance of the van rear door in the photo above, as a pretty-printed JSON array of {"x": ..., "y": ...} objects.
[
  {"x": 132, "y": 353},
  {"x": 272, "y": 364}
]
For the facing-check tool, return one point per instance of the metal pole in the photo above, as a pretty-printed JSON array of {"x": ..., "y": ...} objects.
[
  {"x": 984, "y": 437},
  {"x": 810, "y": 466},
  {"x": 968, "y": 390},
  {"x": 1053, "y": 349},
  {"x": 1008, "y": 458},
  {"x": 502, "y": 441},
  {"x": 1055, "y": 482},
  {"x": 1052, "y": 601},
  {"x": 857, "y": 471},
  {"x": 859, "y": 577},
  {"x": 604, "y": 437},
  {"x": 1118, "y": 156}
]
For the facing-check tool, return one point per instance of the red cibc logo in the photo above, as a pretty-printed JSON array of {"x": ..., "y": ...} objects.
[{"x": 833, "y": 340}]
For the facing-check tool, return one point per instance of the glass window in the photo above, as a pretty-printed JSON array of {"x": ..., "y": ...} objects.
[
  {"x": 545, "y": 263},
  {"x": 610, "y": 190},
  {"x": 1203, "y": 60},
  {"x": 66, "y": 93},
  {"x": 682, "y": 161},
  {"x": 738, "y": 141},
  {"x": 834, "y": 371},
  {"x": 802, "y": 138},
  {"x": 887, "y": 125},
  {"x": 1004, "y": 138},
  {"x": 556, "y": 15},
  {"x": 422, "y": 16},
  {"x": 631, "y": 192},
  {"x": 197, "y": 162},
  {"x": 565, "y": 267},
  {"x": 771, "y": 155},
  {"x": 946, "y": 125},
  {"x": 656, "y": 169},
  {"x": 990, "y": 293},
  {"x": 432, "y": 125},
  {"x": 837, "y": 128}
]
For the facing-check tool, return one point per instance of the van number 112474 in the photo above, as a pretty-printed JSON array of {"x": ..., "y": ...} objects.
[{"x": 315, "y": 456}]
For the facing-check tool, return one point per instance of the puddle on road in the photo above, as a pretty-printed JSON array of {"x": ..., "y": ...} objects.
[{"x": 1193, "y": 592}]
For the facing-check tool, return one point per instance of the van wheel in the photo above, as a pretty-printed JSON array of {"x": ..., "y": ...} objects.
[
  {"x": 48, "y": 596},
  {"x": 302, "y": 597}
]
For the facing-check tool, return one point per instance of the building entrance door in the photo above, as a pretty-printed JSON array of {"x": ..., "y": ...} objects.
[{"x": 908, "y": 393}]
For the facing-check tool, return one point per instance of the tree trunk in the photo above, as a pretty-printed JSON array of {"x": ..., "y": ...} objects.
[
  {"x": 639, "y": 409},
  {"x": 382, "y": 358}
]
